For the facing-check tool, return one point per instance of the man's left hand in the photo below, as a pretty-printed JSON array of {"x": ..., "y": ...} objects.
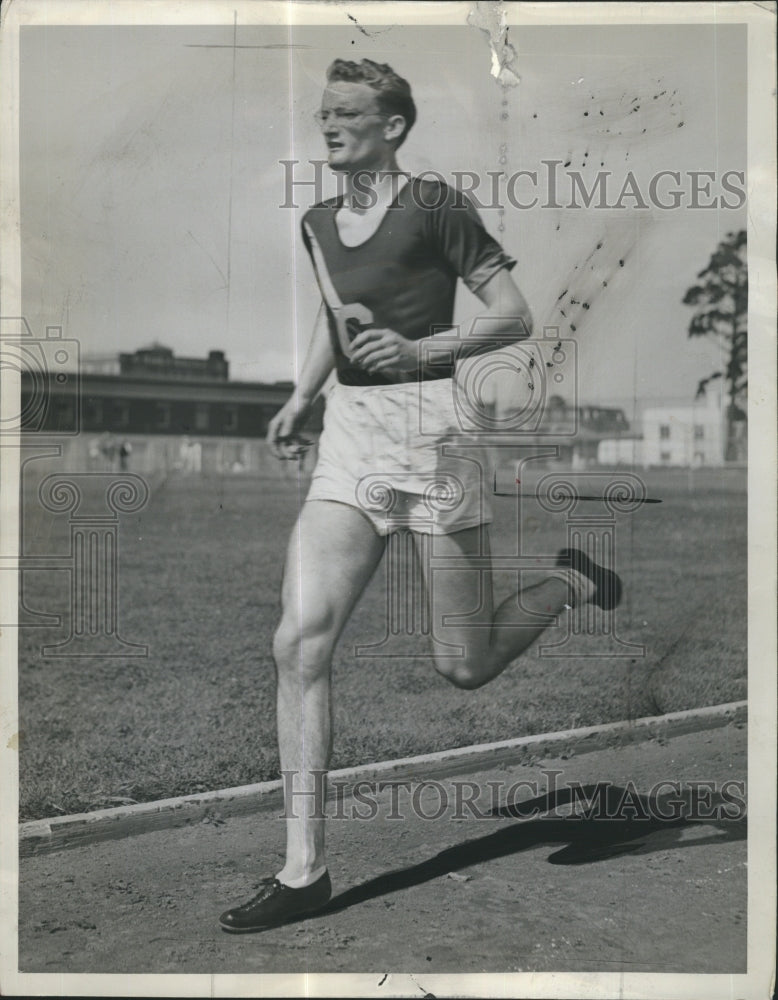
[{"x": 383, "y": 351}]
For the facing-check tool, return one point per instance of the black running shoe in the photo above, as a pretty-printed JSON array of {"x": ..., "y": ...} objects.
[
  {"x": 276, "y": 904},
  {"x": 607, "y": 594}
]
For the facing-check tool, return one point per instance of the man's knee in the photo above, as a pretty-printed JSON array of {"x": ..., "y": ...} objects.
[
  {"x": 304, "y": 642},
  {"x": 461, "y": 673}
]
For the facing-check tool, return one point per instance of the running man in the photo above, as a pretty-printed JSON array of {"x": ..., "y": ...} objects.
[{"x": 387, "y": 255}]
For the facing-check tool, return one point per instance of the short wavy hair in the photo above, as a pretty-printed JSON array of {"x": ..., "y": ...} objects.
[{"x": 393, "y": 93}]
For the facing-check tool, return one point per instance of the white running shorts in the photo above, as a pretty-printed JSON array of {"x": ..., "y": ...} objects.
[{"x": 397, "y": 454}]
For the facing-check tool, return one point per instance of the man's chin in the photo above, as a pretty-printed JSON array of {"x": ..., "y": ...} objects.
[{"x": 337, "y": 161}]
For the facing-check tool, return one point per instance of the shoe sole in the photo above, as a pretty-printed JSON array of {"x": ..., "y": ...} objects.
[
  {"x": 609, "y": 588},
  {"x": 258, "y": 928}
]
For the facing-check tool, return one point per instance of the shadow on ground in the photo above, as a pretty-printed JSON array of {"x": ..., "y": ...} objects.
[{"x": 616, "y": 821}]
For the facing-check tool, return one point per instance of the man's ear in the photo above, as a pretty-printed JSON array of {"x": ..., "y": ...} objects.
[{"x": 394, "y": 127}]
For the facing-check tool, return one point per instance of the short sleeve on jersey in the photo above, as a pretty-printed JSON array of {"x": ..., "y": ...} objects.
[{"x": 459, "y": 234}]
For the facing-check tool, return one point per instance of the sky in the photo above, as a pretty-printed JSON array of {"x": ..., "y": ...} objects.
[{"x": 152, "y": 182}]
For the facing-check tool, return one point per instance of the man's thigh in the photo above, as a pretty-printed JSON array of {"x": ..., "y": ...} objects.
[
  {"x": 457, "y": 575},
  {"x": 333, "y": 552}
]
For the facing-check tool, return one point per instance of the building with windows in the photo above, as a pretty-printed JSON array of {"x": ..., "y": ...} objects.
[
  {"x": 683, "y": 435},
  {"x": 688, "y": 436},
  {"x": 153, "y": 412},
  {"x": 165, "y": 413},
  {"x": 565, "y": 436},
  {"x": 158, "y": 362},
  {"x": 576, "y": 432}
]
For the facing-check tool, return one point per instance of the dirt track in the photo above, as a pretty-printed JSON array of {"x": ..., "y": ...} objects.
[{"x": 445, "y": 895}]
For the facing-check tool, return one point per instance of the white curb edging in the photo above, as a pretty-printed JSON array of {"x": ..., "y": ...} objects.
[{"x": 60, "y": 832}]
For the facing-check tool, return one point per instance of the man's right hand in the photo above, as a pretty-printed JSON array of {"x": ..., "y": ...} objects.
[{"x": 282, "y": 436}]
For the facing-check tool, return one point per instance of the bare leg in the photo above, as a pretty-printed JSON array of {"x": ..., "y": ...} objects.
[
  {"x": 333, "y": 552},
  {"x": 463, "y": 614}
]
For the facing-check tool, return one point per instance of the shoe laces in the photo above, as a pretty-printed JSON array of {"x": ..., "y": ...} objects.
[{"x": 270, "y": 886}]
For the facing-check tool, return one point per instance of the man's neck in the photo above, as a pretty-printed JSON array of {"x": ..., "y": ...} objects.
[{"x": 366, "y": 189}]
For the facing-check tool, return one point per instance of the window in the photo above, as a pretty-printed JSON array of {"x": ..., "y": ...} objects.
[
  {"x": 264, "y": 415},
  {"x": 699, "y": 432},
  {"x": 65, "y": 414},
  {"x": 230, "y": 418},
  {"x": 121, "y": 411},
  {"x": 94, "y": 411},
  {"x": 664, "y": 432},
  {"x": 201, "y": 417},
  {"x": 665, "y": 456},
  {"x": 162, "y": 416}
]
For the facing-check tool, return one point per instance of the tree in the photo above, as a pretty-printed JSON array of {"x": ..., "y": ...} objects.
[{"x": 721, "y": 313}]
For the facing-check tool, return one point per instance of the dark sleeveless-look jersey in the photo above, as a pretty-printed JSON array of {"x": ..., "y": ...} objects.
[{"x": 404, "y": 276}]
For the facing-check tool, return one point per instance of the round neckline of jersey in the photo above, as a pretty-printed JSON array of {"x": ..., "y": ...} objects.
[{"x": 392, "y": 205}]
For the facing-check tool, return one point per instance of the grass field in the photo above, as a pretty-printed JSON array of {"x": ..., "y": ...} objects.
[{"x": 200, "y": 569}]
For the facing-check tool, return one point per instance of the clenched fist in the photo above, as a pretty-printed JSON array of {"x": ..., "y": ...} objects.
[{"x": 380, "y": 351}]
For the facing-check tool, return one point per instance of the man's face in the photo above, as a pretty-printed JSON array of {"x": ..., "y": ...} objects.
[{"x": 353, "y": 127}]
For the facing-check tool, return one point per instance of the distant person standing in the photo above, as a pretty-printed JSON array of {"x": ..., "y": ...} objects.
[
  {"x": 95, "y": 455},
  {"x": 108, "y": 450},
  {"x": 125, "y": 450}
]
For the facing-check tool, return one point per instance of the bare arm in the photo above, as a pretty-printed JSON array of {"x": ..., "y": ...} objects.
[
  {"x": 319, "y": 361},
  {"x": 506, "y": 319}
]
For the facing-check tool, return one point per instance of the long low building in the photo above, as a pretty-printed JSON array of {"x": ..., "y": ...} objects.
[
  {"x": 152, "y": 412},
  {"x": 156, "y": 413}
]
